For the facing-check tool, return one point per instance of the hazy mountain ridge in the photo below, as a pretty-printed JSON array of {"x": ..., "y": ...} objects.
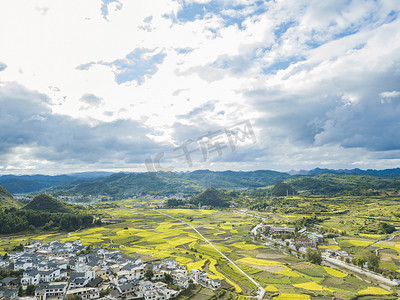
[
  {"x": 322, "y": 181},
  {"x": 16, "y": 184},
  {"x": 170, "y": 183},
  {"x": 356, "y": 171}
]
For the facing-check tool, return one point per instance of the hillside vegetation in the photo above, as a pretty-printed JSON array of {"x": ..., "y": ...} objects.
[
  {"x": 44, "y": 202},
  {"x": 44, "y": 212},
  {"x": 282, "y": 189},
  {"x": 330, "y": 184},
  {"x": 7, "y": 200},
  {"x": 213, "y": 197}
]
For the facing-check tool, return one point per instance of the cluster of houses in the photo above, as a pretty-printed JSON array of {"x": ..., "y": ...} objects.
[
  {"x": 304, "y": 238},
  {"x": 70, "y": 270}
]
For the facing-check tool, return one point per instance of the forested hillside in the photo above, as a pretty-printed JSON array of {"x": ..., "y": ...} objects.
[
  {"x": 44, "y": 212},
  {"x": 7, "y": 200},
  {"x": 214, "y": 198},
  {"x": 330, "y": 184},
  {"x": 44, "y": 202}
]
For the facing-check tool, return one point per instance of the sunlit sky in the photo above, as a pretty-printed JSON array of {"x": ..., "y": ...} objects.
[{"x": 239, "y": 85}]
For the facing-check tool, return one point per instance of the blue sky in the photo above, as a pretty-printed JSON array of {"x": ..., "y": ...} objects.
[{"x": 109, "y": 84}]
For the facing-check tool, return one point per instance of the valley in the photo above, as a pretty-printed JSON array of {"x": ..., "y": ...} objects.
[
  {"x": 332, "y": 236},
  {"x": 152, "y": 235}
]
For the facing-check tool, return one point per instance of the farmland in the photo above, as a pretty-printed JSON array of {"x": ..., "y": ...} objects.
[{"x": 146, "y": 233}]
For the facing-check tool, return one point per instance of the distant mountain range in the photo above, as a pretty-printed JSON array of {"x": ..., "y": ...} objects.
[
  {"x": 129, "y": 184},
  {"x": 126, "y": 184},
  {"x": 32, "y": 183},
  {"x": 356, "y": 171}
]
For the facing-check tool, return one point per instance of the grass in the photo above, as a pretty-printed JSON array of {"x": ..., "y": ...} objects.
[
  {"x": 360, "y": 243},
  {"x": 287, "y": 296},
  {"x": 313, "y": 271}
]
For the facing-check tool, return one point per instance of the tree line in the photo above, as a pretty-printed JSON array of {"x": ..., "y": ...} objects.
[{"x": 17, "y": 220}]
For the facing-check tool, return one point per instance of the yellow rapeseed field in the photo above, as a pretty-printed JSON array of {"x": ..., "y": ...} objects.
[
  {"x": 334, "y": 272},
  {"x": 371, "y": 290}
]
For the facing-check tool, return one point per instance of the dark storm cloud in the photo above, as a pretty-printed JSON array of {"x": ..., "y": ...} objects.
[
  {"x": 345, "y": 109},
  {"x": 26, "y": 120}
]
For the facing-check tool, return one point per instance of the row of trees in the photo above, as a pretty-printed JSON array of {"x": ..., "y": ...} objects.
[
  {"x": 368, "y": 258},
  {"x": 175, "y": 202}
]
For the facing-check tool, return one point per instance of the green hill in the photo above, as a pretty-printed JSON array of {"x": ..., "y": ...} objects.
[
  {"x": 6, "y": 200},
  {"x": 213, "y": 197},
  {"x": 44, "y": 202},
  {"x": 282, "y": 189}
]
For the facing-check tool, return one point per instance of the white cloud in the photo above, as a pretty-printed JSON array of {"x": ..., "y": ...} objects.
[
  {"x": 392, "y": 94},
  {"x": 299, "y": 70}
]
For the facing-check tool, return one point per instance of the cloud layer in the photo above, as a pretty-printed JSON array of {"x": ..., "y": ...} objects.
[{"x": 104, "y": 84}]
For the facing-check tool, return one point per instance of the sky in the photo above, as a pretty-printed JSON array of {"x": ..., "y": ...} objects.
[{"x": 181, "y": 85}]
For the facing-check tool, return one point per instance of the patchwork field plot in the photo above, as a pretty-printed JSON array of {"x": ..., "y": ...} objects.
[{"x": 374, "y": 291}]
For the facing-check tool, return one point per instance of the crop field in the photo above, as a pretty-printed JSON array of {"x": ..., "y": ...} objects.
[
  {"x": 151, "y": 235},
  {"x": 374, "y": 291},
  {"x": 335, "y": 272}
]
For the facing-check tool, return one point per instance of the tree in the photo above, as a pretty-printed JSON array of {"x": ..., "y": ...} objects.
[
  {"x": 5, "y": 256},
  {"x": 149, "y": 274},
  {"x": 20, "y": 291},
  {"x": 105, "y": 292},
  {"x": 30, "y": 290},
  {"x": 174, "y": 202},
  {"x": 168, "y": 278},
  {"x": 385, "y": 228},
  {"x": 313, "y": 256},
  {"x": 367, "y": 257}
]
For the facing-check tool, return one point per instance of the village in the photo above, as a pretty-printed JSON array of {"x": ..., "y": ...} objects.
[
  {"x": 57, "y": 270},
  {"x": 295, "y": 241}
]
